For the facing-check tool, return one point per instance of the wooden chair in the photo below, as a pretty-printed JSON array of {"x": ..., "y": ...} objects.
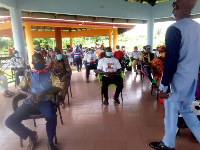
[{"x": 37, "y": 114}]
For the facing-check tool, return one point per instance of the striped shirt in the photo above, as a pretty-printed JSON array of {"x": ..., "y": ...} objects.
[{"x": 77, "y": 54}]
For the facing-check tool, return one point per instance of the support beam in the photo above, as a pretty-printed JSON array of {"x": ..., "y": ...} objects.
[
  {"x": 58, "y": 37},
  {"x": 110, "y": 37},
  {"x": 115, "y": 35},
  {"x": 29, "y": 42},
  {"x": 17, "y": 30},
  {"x": 71, "y": 42},
  {"x": 150, "y": 28}
]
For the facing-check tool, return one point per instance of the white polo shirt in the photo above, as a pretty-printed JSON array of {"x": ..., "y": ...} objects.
[
  {"x": 90, "y": 58},
  {"x": 109, "y": 64}
]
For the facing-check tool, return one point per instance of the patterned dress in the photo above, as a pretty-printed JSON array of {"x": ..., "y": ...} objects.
[{"x": 157, "y": 68}]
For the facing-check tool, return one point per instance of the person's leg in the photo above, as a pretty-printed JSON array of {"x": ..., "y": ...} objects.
[
  {"x": 3, "y": 83},
  {"x": 190, "y": 118},
  {"x": 87, "y": 72},
  {"x": 118, "y": 81},
  {"x": 171, "y": 119},
  {"x": 105, "y": 83},
  {"x": 49, "y": 111},
  {"x": 18, "y": 73},
  {"x": 13, "y": 122},
  {"x": 148, "y": 72},
  {"x": 77, "y": 64},
  {"x": 80, "y": 62},
  {"x": 134, "y": 65}
]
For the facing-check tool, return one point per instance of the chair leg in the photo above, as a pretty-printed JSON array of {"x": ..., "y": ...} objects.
[
  {"x": 68, "y": 99},
  {"x": 34, "y": 122},
  {"x": 122, "y": 97},
  {"x": 60, "y": 115},
  {"x": 101, "y": 96},
  {"x": 151, "y": 89},
  {"x": 157, "y": 93},
  {"x": 70, "y": 90},
  {"x": 21, "y": 142},
  {"x": 56, "y": 140}
]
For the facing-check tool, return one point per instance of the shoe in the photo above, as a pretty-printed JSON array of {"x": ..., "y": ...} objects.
[
  {"x": 117, "y": 101},
  {"x": 9, "y": 94},
  {"x": 160, "y": 146},
  {"x": 62, "y": 104},
  {"x": 87, "y": 81},
  {"x": 105, "y": 102},
  {"x": 32, "y": 140},
  {"x": 51, "y": 147}
]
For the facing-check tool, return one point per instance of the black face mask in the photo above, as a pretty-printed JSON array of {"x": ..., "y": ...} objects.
[{"x": 39, "y": 66}]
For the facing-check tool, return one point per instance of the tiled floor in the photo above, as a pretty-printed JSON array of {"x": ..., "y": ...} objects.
[{"x": 90, "y": 126}]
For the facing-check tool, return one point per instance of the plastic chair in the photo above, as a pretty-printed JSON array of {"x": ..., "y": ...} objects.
[
  {"x": 70, "y": 88},
  {"x": 110, "y": 85},
  {"x": 37, "y": 114}
]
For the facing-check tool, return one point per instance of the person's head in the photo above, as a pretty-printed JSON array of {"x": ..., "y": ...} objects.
[
  {"x": 16, "y": 53},
  {"x": 123, "y": 47},
  {"x": 117, "y": 47},
  {"x": 59, "y": 55},
  {"x": 38, "y": 61},
  {"x": 135, "y": 48},
  {"x": 90, "y": 51},
  {"x": 162, "y": 50},
  {"x": 108, "y": 52},
  {"x": 182, "y": 8},
  {"x": 147, "y": 48}
]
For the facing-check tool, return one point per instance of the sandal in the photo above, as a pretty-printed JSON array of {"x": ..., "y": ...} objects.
[{"x": 32, "y": 141}]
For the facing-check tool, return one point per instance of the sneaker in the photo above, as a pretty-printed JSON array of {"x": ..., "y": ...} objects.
[
  {"x": 32, "y": 140},
  {"x": 51, "y": 147}
]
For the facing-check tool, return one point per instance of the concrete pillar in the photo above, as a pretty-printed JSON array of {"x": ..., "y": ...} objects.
[
  {"x": 58, "y": 37},
  {"x": 71, "y": 42},
  {"x": 115, "y": 35},
  {"x": 17, "y": 30},
  {"x": 110, "y": 38},
  {"x": 150, "y": 29},
  {"x": 29, "y": 42}
]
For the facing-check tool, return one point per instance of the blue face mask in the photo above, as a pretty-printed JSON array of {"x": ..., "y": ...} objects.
[
  {"x": 59, "y": 56},
  {"x": 109, "y": 54},
  {"x": 39, "y": 66},
  {"x": 90, "y": 52},
  {"x": 17, "y": 55}
]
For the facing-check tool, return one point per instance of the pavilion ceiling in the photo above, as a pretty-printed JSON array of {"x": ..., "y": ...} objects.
[{"x": 152, "y": 2}]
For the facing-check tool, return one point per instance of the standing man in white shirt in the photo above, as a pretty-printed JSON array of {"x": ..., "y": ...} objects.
[
  {"x": 135, "y": 55},
  {"x": 110, "y": 68},
  {"x": 90, "y": 60}
]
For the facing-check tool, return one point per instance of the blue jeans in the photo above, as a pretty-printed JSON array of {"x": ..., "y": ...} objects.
[
  {"x": 171, "y": 119},
  {"x": 48, "y": 110},
  {"x": 147, "y": 71},
  {"x": 78, "y": 63}
]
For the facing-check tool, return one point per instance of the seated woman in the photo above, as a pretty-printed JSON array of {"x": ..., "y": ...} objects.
[
  {"x": 158, "y": 65},
  {"x": 110, "y": 68},
  {"x": 90, "y": 61},
  {"x": 63, "y": 70}
]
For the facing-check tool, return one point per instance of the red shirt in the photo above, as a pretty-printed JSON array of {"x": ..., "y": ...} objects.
[{"x": 118, "y": 54}]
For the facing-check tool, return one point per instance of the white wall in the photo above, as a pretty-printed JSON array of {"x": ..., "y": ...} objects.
[{"x": 99, "y": 8}]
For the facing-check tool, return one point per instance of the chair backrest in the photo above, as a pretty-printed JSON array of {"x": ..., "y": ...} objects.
[{"x": 110, "y": 85}]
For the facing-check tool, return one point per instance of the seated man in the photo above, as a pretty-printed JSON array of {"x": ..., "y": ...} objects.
[
  {"x": 119, "y": 54},
  {"x": 4, "y": 85},
  {"x": 90, "y": 61},
  {"x": 110, "y": 68},
  {"x": 19, "y": 65},
  {"x": 38, "y": 85},
  {"x": 135, "y": 55}
]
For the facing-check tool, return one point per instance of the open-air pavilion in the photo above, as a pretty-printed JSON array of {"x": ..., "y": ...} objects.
[{"x": 87, "y": 124}]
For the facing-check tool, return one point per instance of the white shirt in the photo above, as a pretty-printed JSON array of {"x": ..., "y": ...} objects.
[
  {"x": 18, "y": 62},
  {"x": 135, "y": 54},
  {"x": 109, "y": 64},
  {"x": 90, "y": 58}
]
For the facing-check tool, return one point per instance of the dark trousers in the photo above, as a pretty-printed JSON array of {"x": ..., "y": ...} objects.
[
  {"x": 88, "y": 68},
  {"x": 48, "y": 110},
  {"x": 117, "y": 80},
  {"x": 147, "y": 71},
  {"x": 19, "y": 72},
  {"x": 78, "y": 62}
]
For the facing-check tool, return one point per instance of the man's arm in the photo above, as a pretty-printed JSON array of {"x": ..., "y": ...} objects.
[{"x": 173, "y": 45}]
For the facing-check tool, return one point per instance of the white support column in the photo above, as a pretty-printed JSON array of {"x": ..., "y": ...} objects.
[
  {"x": 18, "y": 33},
  {"x": 150, "y": 29}
]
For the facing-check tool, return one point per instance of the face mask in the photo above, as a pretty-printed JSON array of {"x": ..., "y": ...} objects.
[
  {"x": 109, "y": 54},
  {"x": 17, "y": 55},
  {"x": 39, "y": 66},
  {"x": 117, "y": 49},
  {"x": 59, "y": 56},
  {"x": 90, "y": 52}
]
